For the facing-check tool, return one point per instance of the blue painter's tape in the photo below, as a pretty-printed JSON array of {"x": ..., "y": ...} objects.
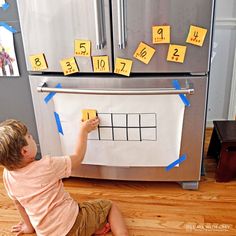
[
  {"x": 178, "y": 161},
  {"x": 5, "y": 6},
  {"x": 8, "y": 27},
  {"x": 50, "y": 95},
  {"x": 58, "y": 121},
  {"x": 182, "y": 96}
]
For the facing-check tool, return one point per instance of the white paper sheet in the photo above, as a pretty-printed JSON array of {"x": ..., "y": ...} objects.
[
  {"x": 8, "y": 62},
  {"x": 143, "y": 131},
  {"x": 2, "y": 2}
]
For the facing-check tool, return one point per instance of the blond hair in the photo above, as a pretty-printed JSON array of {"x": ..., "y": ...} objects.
[{"x": 12, "y": 140}]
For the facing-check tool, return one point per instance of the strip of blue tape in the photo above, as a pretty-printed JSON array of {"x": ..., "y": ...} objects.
[
  {"x": 50, "y": 95},
  {"x": 178, "y": 161},
  {"x": 8, "y": 27},
  {"x": 5, "y": 6},
  {"x": 182, "y": 96},
  {"x": 58, "y": 121}
]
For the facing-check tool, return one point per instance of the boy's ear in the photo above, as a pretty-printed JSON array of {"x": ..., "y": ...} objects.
[{"x": 24, "y": 151}]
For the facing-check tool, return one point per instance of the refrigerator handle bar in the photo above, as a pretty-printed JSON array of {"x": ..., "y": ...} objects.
[
  {"x": 44, "y": 89},
  {"x": 121, "y": 24},
  {"x": 99, "y": 24}
]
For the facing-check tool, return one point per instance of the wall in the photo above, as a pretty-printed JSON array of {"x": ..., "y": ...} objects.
[
  {"x": 222, "y": 79},
  {"x": 15, "y": 96}
]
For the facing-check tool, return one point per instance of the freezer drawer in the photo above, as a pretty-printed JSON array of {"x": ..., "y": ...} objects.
[
  {"x": 51, "y": 27},
  {"x": 133, "y": 21},
  {"x": 190, "y": 135}
]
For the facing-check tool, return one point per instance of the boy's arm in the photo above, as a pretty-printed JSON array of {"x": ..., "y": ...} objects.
[
  {"x": 81, "y": 144},
  {"x": 28, "y": 226},
  {"x": 80, "y": 151}
]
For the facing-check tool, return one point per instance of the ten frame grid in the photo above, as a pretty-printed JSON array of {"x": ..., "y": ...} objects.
[{"x": 126, "y": 127}]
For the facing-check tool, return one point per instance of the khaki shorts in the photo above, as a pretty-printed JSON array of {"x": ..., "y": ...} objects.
[{"x": 92, "y": 217}]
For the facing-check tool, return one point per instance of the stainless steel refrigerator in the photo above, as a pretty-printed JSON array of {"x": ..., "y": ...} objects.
[{"x": 115, "y": 29}]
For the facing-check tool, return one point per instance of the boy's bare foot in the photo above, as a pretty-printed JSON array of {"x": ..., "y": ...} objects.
[{"x": 104, "y": 230}]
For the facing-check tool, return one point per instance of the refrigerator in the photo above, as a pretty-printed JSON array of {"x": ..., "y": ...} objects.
[{"x": 142, "y": 65}]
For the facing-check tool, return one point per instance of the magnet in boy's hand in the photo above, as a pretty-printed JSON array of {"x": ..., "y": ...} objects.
[
  {"x": 88, "y": 114},
  {"x": 89, "y": 125}
]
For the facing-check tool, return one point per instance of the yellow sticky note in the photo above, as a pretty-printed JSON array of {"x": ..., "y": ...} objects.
[
  {"x": 176, "y": 53},
  {"x": 38, "y": 62},
  {"x": 88, "y": 114},
  {"x": 101, "y": 64},
  {"x": 161, "y": 34},
  {"x": 69, "y": 66},
  {"x": 123, "y": 66},
  {"x": 196, "y": 35},
  {"x": 144, "y": 53},
  {"x": 82, "y": 48}
]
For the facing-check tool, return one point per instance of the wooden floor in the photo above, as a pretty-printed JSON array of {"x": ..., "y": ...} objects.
[{"x": 153, "y": 209}]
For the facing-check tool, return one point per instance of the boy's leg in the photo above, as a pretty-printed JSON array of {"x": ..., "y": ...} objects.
[{"x": 117, "y": 222}]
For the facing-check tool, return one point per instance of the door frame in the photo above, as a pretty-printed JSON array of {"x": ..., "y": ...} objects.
[
  {"x": 232, "y": 101},
  {"x": 229, "y": 23}
]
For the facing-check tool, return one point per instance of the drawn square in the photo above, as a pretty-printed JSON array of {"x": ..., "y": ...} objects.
[
  {"x": 119, "y": 120},
  {"x": 120, "y": 134},
  {"x": 133, "y": 134},
  {"x": 93, "y": 135},
  {"x": 133, "y": 120},
  {"x": 105, "y": 119},
  {"x": 149, "y": 134},
  {"x": 105, "y": 133},
  {"x": 148, "y": 120}
]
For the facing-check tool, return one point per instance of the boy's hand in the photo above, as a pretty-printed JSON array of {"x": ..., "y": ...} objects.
[
  {"x": 89, "y": 125},
  {"x": 22, "y": 228}
]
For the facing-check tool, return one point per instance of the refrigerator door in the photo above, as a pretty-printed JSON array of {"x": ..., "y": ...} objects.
[
  {"x": 51, "y": 27},
  {"x": 133, "y": 21}
]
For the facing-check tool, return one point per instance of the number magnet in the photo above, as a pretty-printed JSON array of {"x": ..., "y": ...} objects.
[
  {"x": 69, "y": 66},
  {"x": 176, "y": 53},
  {"x": 88, "y": 114},
  {"x": 82, "y": 48},
  {"x": 38, "y": 62},
  {"x": 101, "y": 64},
  {"x": 196, "y": 35},
  {"x": 161, "y": 34},
  {"x": 144, "y": 53},
  {"x": 123, "y": 66}
]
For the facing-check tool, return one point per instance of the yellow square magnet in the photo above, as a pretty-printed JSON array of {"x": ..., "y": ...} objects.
[
  {"x": 123, "y": 66},
  {"x": 88, "y": 114},
  {"x": 176, "y": 53},
  {"x": 101, "y": 64},
  {"x": 161, "y": 34},
  {"x": 69, "y": 66},
  {"x": 38, "y": 62},
  {"x": 144, "y": 53},
  {"x": 82, "y": 48},
  {"x": 196, "y": 35}
]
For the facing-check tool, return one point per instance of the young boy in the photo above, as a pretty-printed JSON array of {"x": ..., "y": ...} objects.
[{"x": 37, "y": 189}]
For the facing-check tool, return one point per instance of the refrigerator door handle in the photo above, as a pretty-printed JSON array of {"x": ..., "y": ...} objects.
[
  {"x": 44, "y": 89},
  {"x": 121, "y": 24},
  {"x": 99, "y": 24}
]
